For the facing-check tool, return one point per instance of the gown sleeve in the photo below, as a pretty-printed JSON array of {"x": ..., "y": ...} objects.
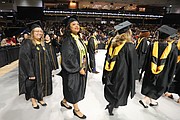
[
  {"x": 173, "y": 64},
  {"x": 132, "y": 59},
  {"x": 25, "y": 65},
  {"x": 144, "y": 46},
  {"x": 69, "y": 56},
  {"x": 91, "y": 46},
  {"x": 26, "y": 59}
]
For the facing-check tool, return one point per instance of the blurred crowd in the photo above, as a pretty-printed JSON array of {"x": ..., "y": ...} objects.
[{"x": 55, "y": 30}]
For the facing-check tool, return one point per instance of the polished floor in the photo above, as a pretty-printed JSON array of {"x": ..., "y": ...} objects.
[{"x": 15, "y": 107}]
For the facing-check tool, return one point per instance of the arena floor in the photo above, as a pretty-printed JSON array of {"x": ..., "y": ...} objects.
[{"x": 15, "y": 107}]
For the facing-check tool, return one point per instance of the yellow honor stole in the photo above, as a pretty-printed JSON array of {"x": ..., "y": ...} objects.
[
  {"x": 155, "y": 61},
  {"x": 139, "y": 41},
  {"x": 178, "y": 46},
  {"x": 111, "y": 58},
  {"x": 95, "y": 41},
  {"x": 82, "y": 49}
]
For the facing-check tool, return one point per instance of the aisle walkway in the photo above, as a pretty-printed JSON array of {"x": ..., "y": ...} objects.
[{"x": 15, "y": 107}]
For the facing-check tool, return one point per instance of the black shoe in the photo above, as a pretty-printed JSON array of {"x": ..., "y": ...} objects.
[
  {"x": 116, "y": 106},
  {"x": 44, "y": 104},
  {"x": 110, "y": 109},
  {"x": 82, "y": 117},
  {"x": 141, "y": 102},
  {"x": 62, "y": 104},
  {"x": 35, "y": 107},
  {"x": 170, "y": 96},
  {"x": 152, "y": 104},
  {"x": 96, "y": 72}
]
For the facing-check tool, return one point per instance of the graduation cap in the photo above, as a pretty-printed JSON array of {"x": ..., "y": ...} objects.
[
  {"x": 123, "y": 27},
  {"x": 33, "y": 25},
  {"x": 111, "y": 33},
  {"x": 144, "y": 33},
  {"x": 92, "y": 30},
  {"x": 166, "y": 31},
  {"x": 67, "y": 20},
  {"x": 25, "y": 32}
]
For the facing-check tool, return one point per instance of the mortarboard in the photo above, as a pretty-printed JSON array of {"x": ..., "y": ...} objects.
[
  {"x": 144, "y": 33},
  {"x": 123, "y": 27},
  {"x": 67, "y": 20},
  {"x": 25, "y": 32},
  {"x": 93, "y": 30},
  {"x": 111, "y": 33},
  {"x": 33, "y": 25},
  {"x": 166, "y": 31}
]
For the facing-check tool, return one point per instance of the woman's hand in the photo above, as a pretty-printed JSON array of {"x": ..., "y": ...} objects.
[{"x": 82, "y": 71}]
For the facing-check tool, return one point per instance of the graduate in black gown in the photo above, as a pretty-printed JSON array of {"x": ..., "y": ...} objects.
[
  {"x": 92, "y": 47},
  {"x": 34, "y": 68},
  {"x": 159, "y": 67},
  {"x": 120, "y": 68},
  {"x": 74, "y": 66},
  {"x": 175, "y": 85},
  {"x": 141, "y": 47},
  {"x": 111, "y": 35},
  {"x": 51, "y": 50}
]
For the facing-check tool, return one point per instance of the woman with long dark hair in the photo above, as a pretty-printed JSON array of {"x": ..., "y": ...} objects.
[{"x": 74, "y": 66}]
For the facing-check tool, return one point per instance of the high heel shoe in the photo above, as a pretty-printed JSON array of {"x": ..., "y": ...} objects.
[
  {"x": 35, "y": 107},
  {"x": 43, "y": 104},
  {"x": 62, "y": 104},
  {"x": 81, "y": 117},
  {"x": 170, "y": 96},
  {"x": 141, "y": 102},
  {"x": 153, "y": 104},
  {"x": 110, "y": 109}
]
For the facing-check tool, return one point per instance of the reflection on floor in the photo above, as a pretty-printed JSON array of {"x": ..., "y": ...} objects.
[{"x": 15, "y": 107}]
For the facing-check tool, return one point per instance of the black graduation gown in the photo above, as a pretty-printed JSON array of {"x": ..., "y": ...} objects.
[
  {"x": 141, "y": 51},
  {"x": 120, "y": 82},
  {"x": 153, "y": 85},
  {"x": 175, "y": 85},
  {"x": 91, "y": 51},
  {"x": 74, "y": 84},
  {"x": 52, "y": 55},
  {"x": 34, "y": 61},
  {"x": 56, "y": 45}
]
